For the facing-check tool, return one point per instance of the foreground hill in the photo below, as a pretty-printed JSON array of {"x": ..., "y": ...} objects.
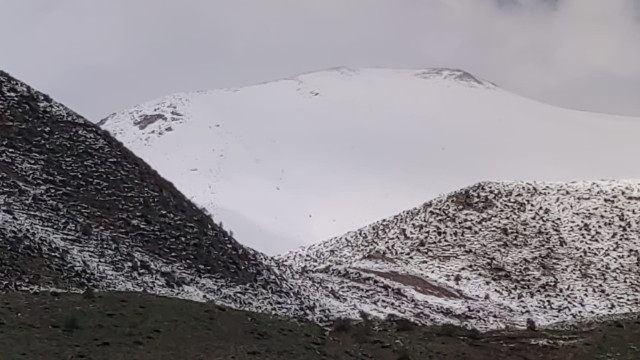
[
  {"x": 492, "y": 255},
  {"x": 77, "y": 209},
  {"x": 140, "y": 327},
  {"x": 301, "y": 160}
]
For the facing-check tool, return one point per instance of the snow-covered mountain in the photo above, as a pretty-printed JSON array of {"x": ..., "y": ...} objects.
[
  {"x": 493, "y": 254},
  {"x": 300, "y": 160}
]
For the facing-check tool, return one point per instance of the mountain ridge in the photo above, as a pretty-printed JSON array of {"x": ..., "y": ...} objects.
[{"x": 335, "y": 150}]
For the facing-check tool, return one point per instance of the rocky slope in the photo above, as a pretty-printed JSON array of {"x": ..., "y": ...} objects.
[
  {"x": 78, "y": 209},
  {"x": 328, "y": 152},
  {"x": 492, "y": 255}
]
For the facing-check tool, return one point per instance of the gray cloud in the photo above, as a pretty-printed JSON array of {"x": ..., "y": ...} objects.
[{"x": 100, "y": 57}]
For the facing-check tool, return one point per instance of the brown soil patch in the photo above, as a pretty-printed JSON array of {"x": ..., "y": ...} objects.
[{"x": 421, "y": 285}]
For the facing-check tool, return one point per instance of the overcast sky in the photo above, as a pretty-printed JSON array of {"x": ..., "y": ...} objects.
[{"x": 102, "y": 56}]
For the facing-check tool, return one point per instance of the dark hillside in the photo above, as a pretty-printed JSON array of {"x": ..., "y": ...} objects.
[
  {"x": 138, "y": 326},
  {"x": 77, "y": 209}
]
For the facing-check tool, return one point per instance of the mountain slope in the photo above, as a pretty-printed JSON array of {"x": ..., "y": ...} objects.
[
  {"x": 297, "y": 161},
  {"x": 78, "y": 209},
  {"x": 492, "y": 255}
]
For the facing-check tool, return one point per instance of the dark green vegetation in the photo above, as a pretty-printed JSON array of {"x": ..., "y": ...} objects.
[{"x": 139, "y": 326}]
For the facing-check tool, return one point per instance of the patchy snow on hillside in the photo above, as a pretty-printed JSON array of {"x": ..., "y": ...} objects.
[
  {"x": 79, "y": 210},
  {"x": 492, "y": 255},
  {"x": 296, "y": 161}
]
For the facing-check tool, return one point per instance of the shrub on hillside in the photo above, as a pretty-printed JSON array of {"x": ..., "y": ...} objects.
[
  {"x": 405, "y": 325},
  {"x": 531, "y": 325},
  {"x": 342, "y": 325}
]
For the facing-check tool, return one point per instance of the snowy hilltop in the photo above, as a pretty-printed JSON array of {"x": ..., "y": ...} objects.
[{"x": 297, "y": 161}]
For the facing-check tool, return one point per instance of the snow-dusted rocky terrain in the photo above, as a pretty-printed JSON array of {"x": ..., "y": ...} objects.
[
  {"x": 301, "y": 160},
  {"x": 490, "y": 255},
  {"x": 78, "y": 209}
]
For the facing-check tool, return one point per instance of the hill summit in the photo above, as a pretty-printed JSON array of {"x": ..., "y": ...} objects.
[{"x": 301, "y": 160}]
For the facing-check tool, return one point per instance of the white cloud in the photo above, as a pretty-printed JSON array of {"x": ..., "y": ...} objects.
[{"x": 100, "y": 57}]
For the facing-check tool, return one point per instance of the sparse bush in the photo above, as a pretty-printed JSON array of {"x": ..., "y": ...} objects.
[
  {"x": 457, "y": 279},
  {"x": 403, "y": 355},
  {"x": 171, "y": 280},
  {"x": 204, "y": 210},
  {"x": 451, "y": 330},
  {"x": 364, "y": 316},
  {"x": 342, "y": 325},
  {"x": 89, "y": 294},
  {"x": 71, "y": 323},
  {"x": 619, "y": 324},
  {"x": 86, "y": 229},
  {"x": 392, "y": 317},
  {"x": 405, "y": 325},
  {"x": 474, "y": 334},
  {"x": 531, "y": 325},
  {"x": 448, "y": 330},
  {"x": 361, "y": 334}
]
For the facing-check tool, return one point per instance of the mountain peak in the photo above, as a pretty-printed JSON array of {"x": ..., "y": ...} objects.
[
  {"x": 451, "y": 75},
  {"x": 456, "y": 75},
  {"x": 341, "y": 148}
]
